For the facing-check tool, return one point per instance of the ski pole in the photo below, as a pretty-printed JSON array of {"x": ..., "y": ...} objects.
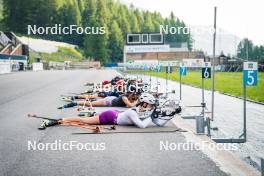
[{"x": 40, "y": 117}]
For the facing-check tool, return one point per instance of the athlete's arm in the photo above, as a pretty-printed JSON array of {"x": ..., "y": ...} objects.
[
  {"x": 128, "y": 103},
  {"x": 135, "y": 119}
]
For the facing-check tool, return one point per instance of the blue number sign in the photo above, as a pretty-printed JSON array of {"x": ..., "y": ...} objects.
[
  {"x": 250, "y": 74},
  {"x": 183, "y": 71}
]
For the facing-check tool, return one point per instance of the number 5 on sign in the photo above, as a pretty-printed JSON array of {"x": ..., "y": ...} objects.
[{"x": 250, "y": 74}]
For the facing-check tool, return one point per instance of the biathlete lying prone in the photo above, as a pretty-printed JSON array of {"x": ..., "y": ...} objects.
[
  {"x": 99, "y": 95},
  {"x": 117, "y": 90},
  {"x": 139, "y": 116},
  {"x": 129, "y": 99}
]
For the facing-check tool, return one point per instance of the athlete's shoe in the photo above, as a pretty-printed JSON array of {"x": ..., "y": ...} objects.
[
  {"x": 51, "y": 123},
  {"x": 42, "y": 125},
  {"x": 47, "y": 123},
  {"x": 67, "y": 99}
]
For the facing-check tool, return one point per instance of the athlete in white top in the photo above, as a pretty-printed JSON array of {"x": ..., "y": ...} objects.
[
  {"x": 131, "y": 117},
  {"x": 139, "y": 116}
]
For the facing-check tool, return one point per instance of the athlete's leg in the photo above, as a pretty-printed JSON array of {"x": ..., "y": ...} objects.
[
  {"x": 99, "y": 98},
  {"x": 69, "y": 105},
  {"x": 89, "y": 120},
  {"x": 87, "y": 96},
  {"x": 97, "y": 103}
]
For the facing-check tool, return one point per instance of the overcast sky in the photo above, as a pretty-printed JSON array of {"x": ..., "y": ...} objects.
[{"x": 244, "y": 18}]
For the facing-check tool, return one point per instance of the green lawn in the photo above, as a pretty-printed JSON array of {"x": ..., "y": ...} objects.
[
  {"x": 63, "y": 54},
  {"x": 225, "y": 82}
]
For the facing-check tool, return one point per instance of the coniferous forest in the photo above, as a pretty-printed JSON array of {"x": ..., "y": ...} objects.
[{"x": 117, "y": 18}]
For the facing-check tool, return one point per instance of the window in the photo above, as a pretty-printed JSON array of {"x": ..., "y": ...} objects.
[
  {"x": 155, "y": 38},
  {"x": 133, "y": 38}
]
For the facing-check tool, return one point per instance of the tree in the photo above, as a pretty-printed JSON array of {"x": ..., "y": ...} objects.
[
  {"x": 245, "y": 49},
  {"x": 89, "y": 19},
  {"x": 148, "y": 25},
  {"x": 140, "y": 18},
  {"x": 117, "y": 18},
  {"x": 134, "y": 23},
  {"x": 102, "y": 14},
  {"x": 81, "y": 5},
  {"x": 123, "y": 20},
  {"x": 18, "y": 14},
  {"x": 70, "y": 14},
  {"x": 157, "y": 20},
  {"x": 116, "y": 43}
]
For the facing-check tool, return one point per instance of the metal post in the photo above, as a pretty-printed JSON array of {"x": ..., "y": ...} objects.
[
  {"x": 150, "y": 81},
  {"x": 208, "y": 127},
  {"x": 200, "y": 122},
  {"x": 167, "y": 82},
  {"x": 262, "y": 167},
  {"x": 180, "y": 86},
  {"x": 213, "y": 64},
  {"x": 124, "y": 57},
  {"x": 145, "y": 73},
  {"x": 245, "y": 113},
  {"x": 157, "y": 79},
  {"x": 203, "y": 97}
]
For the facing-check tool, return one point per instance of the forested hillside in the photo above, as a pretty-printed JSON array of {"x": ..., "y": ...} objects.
[
  {"x": 247, "y": 50},
  {"x": 117, "y": 18}
]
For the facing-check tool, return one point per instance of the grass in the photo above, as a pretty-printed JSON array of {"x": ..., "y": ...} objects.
[
  {"x": 63, "y": 54},
  {"x": 225, "y": 82}
]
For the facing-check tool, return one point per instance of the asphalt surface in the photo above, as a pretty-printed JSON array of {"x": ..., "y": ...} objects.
[{"x": 124, "y": 154}]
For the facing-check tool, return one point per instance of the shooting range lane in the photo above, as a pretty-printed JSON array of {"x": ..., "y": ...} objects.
[
  {"x": 125, "y": 154},
  {"x": 228, "y": 117}
]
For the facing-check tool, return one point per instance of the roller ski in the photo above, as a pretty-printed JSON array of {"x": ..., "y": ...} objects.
[
  {"x": 89, "y": 84},
  {"x": 77, "y": 97},
  {"x": 112, "y": 127},
  {"x": 40, "y": 117},
  {"x": 86, "y": 113},
  {"x": 48, "y": 122},
  {"x": 89, "y": 90}
]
